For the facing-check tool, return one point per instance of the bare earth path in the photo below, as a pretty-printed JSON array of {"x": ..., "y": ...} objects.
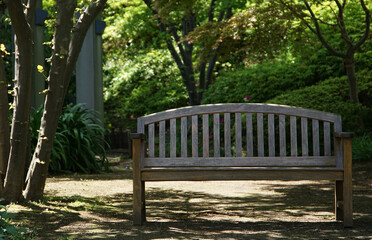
[{"x": 99, "y": 207}]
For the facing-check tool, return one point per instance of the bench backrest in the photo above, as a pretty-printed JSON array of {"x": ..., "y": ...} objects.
[{"x": 240, "y": 135}]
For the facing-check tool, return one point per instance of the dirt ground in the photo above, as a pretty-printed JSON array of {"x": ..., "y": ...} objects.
[{"x": 99, "y": 206}]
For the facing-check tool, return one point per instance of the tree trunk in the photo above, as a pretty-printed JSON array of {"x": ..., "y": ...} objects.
[
  {"x": 350, "y": 71},
  {"x": 63, "y": 61},
  {"x": 4, "y": 126},
  {"x": 14, "y": 179}
]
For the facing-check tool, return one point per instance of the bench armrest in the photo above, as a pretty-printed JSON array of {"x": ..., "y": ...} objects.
[
  {"x": 344, "y": 134},
  {"x": 137, "y": 136}
]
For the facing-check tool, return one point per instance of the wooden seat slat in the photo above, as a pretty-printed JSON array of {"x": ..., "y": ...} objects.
[
  {"x": 282, "y": 136},
  {"x": 205, "y": 135},
  {"x": 249, "y": 120},
  {"x": 240, "y": 161},
  {"x": 304, "y": 137},
  {"x": 315, "y": 129}
]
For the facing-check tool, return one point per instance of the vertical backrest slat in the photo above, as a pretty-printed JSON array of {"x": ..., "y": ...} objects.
[
  {"x": 238, "y": 134},
  {"x": 184, "y": 137},
  {"x": 260, "y": 135},
  {"x": 327, "y": 139},
  {"x": 304, "y": 137},
  {"x": 151, "y": 140},
  {"x": 271, "y": 132},
  {"x": 282, "y": 136},
  {"x": 205, "y": 135},
  {"x": 315, "y": 137},
  {"x": 216, "y": 134},
  {"x": 227, "y": 135},
  {"x": 249, "y": 135},
  {"x": 173, "y": 137},
  {"x": 195, "y": 136},
  {"x": 293, "y": 133},
  {"x": 162, "y": 139}
]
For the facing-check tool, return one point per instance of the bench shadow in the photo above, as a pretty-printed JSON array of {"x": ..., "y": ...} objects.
[{"x": 301, "y": 211}]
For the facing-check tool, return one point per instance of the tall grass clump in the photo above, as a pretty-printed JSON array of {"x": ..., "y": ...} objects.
[
  {"x": 362, "y": 147},
  {"x": 79, "y": 144}
]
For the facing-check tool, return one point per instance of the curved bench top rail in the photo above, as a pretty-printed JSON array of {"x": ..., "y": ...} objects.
[{"x": 240, "y": 108}]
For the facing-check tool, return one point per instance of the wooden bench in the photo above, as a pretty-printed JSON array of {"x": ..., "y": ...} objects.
[{"x": 242, "y": 142}]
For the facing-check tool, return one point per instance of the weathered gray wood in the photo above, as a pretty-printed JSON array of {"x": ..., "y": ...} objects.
[
  {"x": 194, "y": 136},
  {"x": 240, "y": 107},
  {"x": 203, "y": 174},
  {"x": 293, "y": 133},
  {"x": 162, "y": 139},
  {"x": 316, "y": 142},
  {"x": 205, "y": 135},
  {"x": 271, "y": 133},
  {"x": 320, "y": 161},
  {"x": 260, "y": 135},
  {"x": 327, "y": 139},
  {"x": 282, "y": 136},
  {"x": 139, "y": 210},
  {"x": 238, "y": 134},
  {"x": 348, "y": 184},
  {"x": 216, "y": 134},
  {"x": 339, "y": 194},
  {"x": 184, "y": 137},
  {"x": 338, "y": 149},
  {"x": 304, "y": 137},
  {"x": 249, "y": 135},
  {"x": 173, "y": 137},
  {"x": 227, "y": 135},
  {"x": 151, "y": 137}
]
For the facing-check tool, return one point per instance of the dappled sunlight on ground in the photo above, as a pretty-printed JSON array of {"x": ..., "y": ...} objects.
[{"x": 100, "y": 207}]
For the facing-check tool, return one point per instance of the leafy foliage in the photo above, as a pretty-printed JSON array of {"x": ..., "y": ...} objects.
[
  {"x": 148, "y": 84},
  {"x": 260, "y": 82},
  {"x": 362, "y": 147},
  {"x": 79, "y": 144},
  {"x": 332, "y": 96},
  {"x": 8, "y": 230}
]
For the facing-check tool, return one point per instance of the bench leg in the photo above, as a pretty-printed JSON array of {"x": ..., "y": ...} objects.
[
  {"x": 348, "y": 184},
  {"x": 339, "y": 211},
  {"x": 139, "y": 208}
]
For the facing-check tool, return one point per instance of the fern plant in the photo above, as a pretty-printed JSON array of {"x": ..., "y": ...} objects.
[{"x": 79, "y": 143}]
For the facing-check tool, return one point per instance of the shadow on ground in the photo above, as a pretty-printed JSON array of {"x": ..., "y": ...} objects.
[{"x": 302, "y": 211}]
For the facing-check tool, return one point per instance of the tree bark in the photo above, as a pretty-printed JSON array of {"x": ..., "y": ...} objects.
[
  {"x": 4, "y": 126},
  {"x": 64, "y": 58},
  {"x": 350, "y": 71},
  {"x": 13, "y": 185}
]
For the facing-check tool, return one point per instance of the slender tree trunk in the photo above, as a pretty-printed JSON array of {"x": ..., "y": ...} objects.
[
  {"x": 63, "y": 63},
  {"x": 14, "y": 179},
  {"x": 4, "y": 126},
  {"x": 350, "y": 71}
]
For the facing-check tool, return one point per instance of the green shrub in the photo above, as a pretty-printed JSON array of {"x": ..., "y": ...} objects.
[
  {"x": 332, "y": 96},
  {"x": 148, "y": 84},
  {"x": 260, "y": 82},
  {"x": 8, "y": 230},
  {"x": 79, "y": 144}
]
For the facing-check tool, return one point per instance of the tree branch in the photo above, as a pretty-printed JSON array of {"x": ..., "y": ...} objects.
[
  {"x": 78, "y": 34},
  {"x": 319, "y": 33},
  {"x": 368, "y": 24},
  {"x": 341, "y": 24}
]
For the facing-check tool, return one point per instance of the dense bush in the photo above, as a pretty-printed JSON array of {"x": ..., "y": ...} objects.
[
  {"x": 260, "y": 82},
  {"x": 332, "y": 96},
  {"x": 148, "y": 84},
  {"x": 79, "y": 144}
]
